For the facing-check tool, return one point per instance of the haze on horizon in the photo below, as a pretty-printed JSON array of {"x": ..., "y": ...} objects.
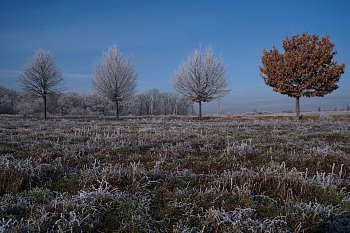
[{"x": 159, "y": 35}]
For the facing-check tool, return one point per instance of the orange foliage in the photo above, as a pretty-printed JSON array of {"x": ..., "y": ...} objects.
[{"x": 306, "y": 68}]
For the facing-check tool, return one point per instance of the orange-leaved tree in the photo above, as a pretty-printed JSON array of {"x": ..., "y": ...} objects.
[{"x": 305, "y": 69}]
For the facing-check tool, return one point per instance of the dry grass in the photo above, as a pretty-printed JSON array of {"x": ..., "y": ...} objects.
[{"x": 264, "y": 173}]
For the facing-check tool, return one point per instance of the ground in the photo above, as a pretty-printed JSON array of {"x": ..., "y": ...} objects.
[{"x": 175, "y": 174}]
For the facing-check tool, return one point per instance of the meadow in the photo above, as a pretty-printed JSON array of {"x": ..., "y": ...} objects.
[{"x": 175, "y": 174}]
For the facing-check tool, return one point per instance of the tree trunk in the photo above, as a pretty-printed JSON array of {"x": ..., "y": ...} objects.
[
  {"x": 297, "y": 108},
  {"x": 117, "y": 105},
  {"x": 200, "y": 109},
  {"x": 45, "y": 115}
]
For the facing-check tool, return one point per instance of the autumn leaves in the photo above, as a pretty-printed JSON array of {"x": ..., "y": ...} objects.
[{"x": 305, "y": 69}]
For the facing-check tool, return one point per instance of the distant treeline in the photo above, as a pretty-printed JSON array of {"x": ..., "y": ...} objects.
[{"x": 152, "y": 102}]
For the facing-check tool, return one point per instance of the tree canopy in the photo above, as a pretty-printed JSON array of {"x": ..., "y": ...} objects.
[
  {"x": 41, "y": 77},
  {"x": 201, "y": 77},
  {"x": 305, "y": 69},
  {"x": 115, "y": 77}
]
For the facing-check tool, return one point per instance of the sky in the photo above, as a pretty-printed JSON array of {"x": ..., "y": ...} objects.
[{"x": 160, "y": 34}]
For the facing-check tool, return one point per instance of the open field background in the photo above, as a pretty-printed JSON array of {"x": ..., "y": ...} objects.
[{"x": 175, "y": 174}]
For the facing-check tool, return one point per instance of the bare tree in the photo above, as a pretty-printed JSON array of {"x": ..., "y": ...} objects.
[
  {"x": 8, "y": 100},
  {"x": 145, "y": 100},
  {"x": 169, "y": 102},
  {"x": 201, "y": 78},
  {"x": 41, "y": 77},
  {"x": 156, "y": 102},
  {"x": 184, "y": 106},
  {"x": 306, "y": 68},
  {"x": 115, "y": 77}
]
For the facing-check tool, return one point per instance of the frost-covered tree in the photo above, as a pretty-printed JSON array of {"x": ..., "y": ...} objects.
[
  {"x": 184, "y": 106},
  {"x": 145, "y": 103},
  {"x": 115, "y": 77},
  {"x": 306, "y": 68},
  {"x": 169, "y": 102},
  {"x": 201, "y": 77},
  {"x": 27, "y": 105},
  {"x": 8, "y": 100},
  {"x": 70, "y": 103},
  {"x": 41, "y": 77},
  {"x": 155, "y": 102}
]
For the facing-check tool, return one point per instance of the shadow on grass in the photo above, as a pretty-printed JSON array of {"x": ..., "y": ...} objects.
[{"x": 335, "y": 224}]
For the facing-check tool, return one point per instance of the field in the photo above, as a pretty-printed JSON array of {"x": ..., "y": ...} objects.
[{"x": 173, "y": 174}]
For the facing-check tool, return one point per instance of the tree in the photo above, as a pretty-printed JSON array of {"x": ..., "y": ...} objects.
[
  {"x": 155, "y": 102},
  {"x": 306, "y": 68},
  {"x": 8, "y": 100},
  {"x": 151, "y": 102},
  {"x": 169, "y": 102},
  {"x": 184, "y": 106},
  {"x": 201, "y": 78},
  {"x": 145, "y": 100},
  {"x": 41, "y": 77},
  {"x": 115, "y": 77}
]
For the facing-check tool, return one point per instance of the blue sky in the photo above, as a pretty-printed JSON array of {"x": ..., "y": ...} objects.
[{"x": 159, "y": 35}]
